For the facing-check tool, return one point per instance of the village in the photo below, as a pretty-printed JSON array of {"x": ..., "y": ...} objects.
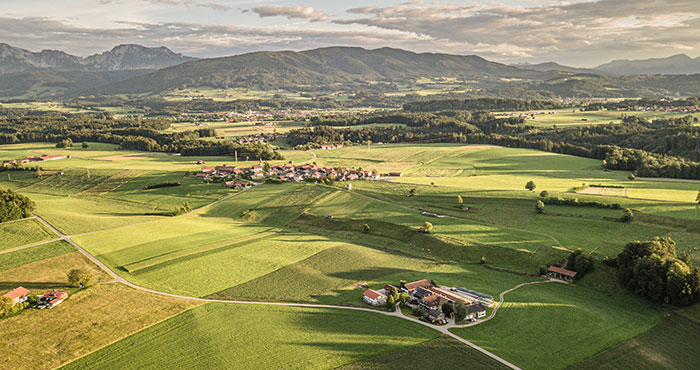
[
  {"x": 243, "y": 178},
  {"x": 33, "y": 159}
]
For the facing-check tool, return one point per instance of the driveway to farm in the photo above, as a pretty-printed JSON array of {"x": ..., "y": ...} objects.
[{"x": 397, "y": 313}]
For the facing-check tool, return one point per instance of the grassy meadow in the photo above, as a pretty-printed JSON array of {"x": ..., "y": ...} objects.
[{"x": 218, "y": 335}]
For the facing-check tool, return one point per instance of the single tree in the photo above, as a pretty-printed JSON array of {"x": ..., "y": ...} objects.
[
  {"x": 412, "y": 192},
  {"x": 39, "y": 173},
  {"x": 447, "y": 308},
  {"x": 530, "y": 185},
  {"x": 539, "y": 206},
  {"x": 367, "y": 228},
  {"x": 483, "y": 260},
  {"x": 697, "y": 199},
  {"x": 266, "y": 166},
  {"x": 627, "y": 215},
  {"x": 460, "y": 201},
  {"x": 428, "y": 227},
  {"x": 631, "y": 177},
  {"x": 85, "y": 145},
  {"x": 390, "y": 302},
  {"x": 80, "y": 278},
  {"x": 460, "y": 311},
  {"x": 544, "y": 194}
]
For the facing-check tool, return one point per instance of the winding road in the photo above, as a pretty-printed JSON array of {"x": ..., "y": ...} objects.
[{"x": 445, "y": 329}]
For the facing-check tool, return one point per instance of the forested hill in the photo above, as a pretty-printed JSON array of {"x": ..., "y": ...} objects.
[{"x": 326, "y": 69}]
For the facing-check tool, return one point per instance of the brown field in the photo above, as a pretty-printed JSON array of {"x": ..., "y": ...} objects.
[
  {"x": 85, "y": 322},
  {"x": 611, "y": 192}
]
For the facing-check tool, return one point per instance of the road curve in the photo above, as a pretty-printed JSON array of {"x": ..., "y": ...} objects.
[{"x": 397, "y": 313}]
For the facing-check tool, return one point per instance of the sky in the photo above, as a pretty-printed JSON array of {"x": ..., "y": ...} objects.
[{"x": 581, "y": 33}]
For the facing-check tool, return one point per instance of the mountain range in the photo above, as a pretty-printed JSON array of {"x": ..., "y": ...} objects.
[
  {"x": 135, "y": 69},
  {"x": 121, "y": 57},
  {"x": 679, "y": 64}
]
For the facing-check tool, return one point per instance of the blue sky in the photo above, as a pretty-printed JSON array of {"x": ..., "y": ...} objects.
[{"x": 579, "y": 33}]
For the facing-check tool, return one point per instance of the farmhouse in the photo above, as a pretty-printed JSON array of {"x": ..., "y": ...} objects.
[
  {"x": 395, "y": 174},
  {"x": 17, "y": 295},
  {"x": 51, "y": 298},
  {"x": 433, "y": 302},
  {"x": 435, "y": 315},
  {"x": 286, "y": 173},
  {"x": 560, "y": 273},
  {"x": 411, "y": 287},
  {"x": 373, "y": 297},
  {"x": 475, "y": 311}
]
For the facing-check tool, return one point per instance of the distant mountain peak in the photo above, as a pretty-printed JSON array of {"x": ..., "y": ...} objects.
[{"x": 120, "y": 57}]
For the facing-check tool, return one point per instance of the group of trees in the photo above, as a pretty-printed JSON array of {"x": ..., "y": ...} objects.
[
  {"x": 654, "y": 270},
  {"x": 579, "y": 262},
  {"x": 492, "y": 104},
  {"x": 20, "y": 126},
  {"x": 8, "y": 307},
  {"x": 80, "y": 278},
  {"x": 393, "y": 297},
  {"x": 14, "y": 206},
  {"x": 182, "y": 209}
]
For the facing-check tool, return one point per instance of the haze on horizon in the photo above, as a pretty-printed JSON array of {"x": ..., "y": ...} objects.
[{"x": 577, "y": 33}]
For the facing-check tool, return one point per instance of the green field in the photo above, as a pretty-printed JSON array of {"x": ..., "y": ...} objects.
[
  {"x": 22, "y": 232},
  {"x": 556, "y": 325},
  {"x": 33, "y": 254},
  {"x": 670, "y": 345},
  {"x": 216, "y": 336},
  {"x": 440, "y": 353}
]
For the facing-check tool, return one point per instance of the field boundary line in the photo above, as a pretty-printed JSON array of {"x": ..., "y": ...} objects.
[{"x": 30, "y": 246}]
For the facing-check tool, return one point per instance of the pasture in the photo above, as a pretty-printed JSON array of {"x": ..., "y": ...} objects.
[
  {"x": 671, "y": 344},
  {"x": 87, "y": 321},
  {"x": 23, "y": 232},
  {"x": 218, "y": 335},
  {"x": 555, "y": 325},
  {"x": 11, "y": 260}
]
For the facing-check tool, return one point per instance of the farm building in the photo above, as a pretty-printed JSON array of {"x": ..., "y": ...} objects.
[
  {"x": 475, "y": 311},
  {"x": 373, "y": 297},
  {"x": 435, "y": 315},
  {"x": 560, "y": 273},
  {"x": 395, "y": 174},
  {"x": 17, "y": 295},
  {"x": 411, "y": 287},
  {"x": 51, "y": 298}
]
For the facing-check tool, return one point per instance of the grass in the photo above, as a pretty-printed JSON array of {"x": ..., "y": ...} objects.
[
  {"x": 672, "y": 344},
  {"x": 21, "y": 257},
  {"x": 557, "y": 325},
  {"x": 443, "y": 352},
  {"x": 49, "y": 273},
  {"x": 87, "y": 321},
  {"x": 213, "y": 335},
  {"x": 23, "y": 232}
]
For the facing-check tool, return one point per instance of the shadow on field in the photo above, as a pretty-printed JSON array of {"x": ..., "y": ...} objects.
[{"x": 32, "y": 285}]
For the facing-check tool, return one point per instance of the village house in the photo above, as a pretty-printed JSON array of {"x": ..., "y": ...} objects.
[
  {"x": 17, "y": 295},
  {"x": 435, "y": 315},
  {"x": 561, "y": 273},
  {"x": 51, "y": 298},
  {"x": 373, "y": 297}
]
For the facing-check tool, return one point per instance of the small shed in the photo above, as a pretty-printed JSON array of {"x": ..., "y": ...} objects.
[{"x": 561, "y": 273}]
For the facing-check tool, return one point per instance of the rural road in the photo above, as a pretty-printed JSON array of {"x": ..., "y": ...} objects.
[{"x": 397, "y": 313}]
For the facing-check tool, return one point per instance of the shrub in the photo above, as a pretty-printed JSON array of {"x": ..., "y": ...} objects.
[
  {"x": 539, "y": 206},
  {"x": 544, "y": 194},
  {"x": 428, "y": 227},
  {"x": 627, "y": 215}
]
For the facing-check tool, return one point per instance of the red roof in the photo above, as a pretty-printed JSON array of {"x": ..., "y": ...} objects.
[
  {"x": 50, "y": 157},
  {"x": 373, "y": 294},
  {"x": 417, "y": 284},
  {"x": 562, "y": 271},
  {"x": 17, "y": 293}
]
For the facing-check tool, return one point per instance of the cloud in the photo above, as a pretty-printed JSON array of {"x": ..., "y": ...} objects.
[
  {"x": 185, "y": 3},
  {"x": 296, "y": 11},
  {"x": 578, "y": 33}
]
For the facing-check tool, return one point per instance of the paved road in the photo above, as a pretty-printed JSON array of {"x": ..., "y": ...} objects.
[{"x": 397, "y": 313}]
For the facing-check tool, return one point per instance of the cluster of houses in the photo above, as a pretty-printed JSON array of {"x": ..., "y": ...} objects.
[
  {"x": 260, "y": 138},
  {"x": 50, "y": 299},
  {"x": 331, "y": 146},
  {"x": 430, "y": 298},
  {"x": 241, "y": 178},
  {"x": 32, "y": 159}
]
